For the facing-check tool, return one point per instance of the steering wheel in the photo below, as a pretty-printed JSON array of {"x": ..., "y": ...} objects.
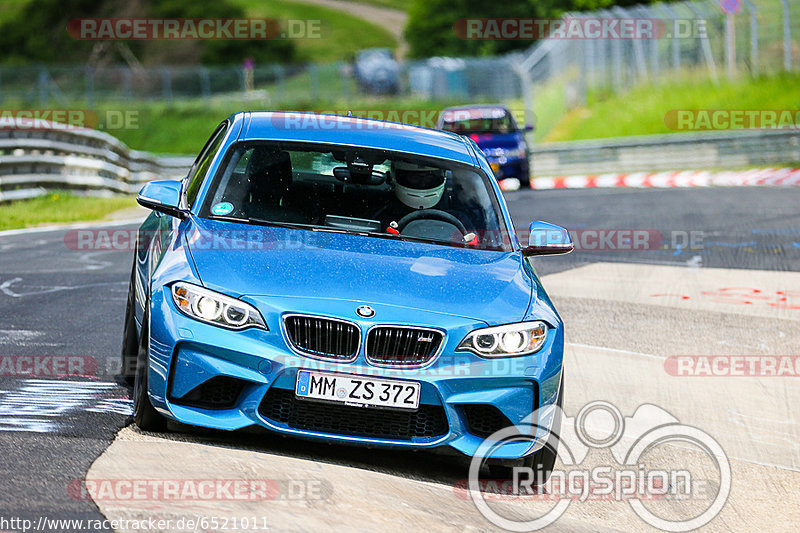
[{"x": 432, "y": 214}]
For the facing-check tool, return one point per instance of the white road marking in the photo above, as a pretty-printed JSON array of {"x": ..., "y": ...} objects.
[
  {"x": 41, "y": 405},
  {"x": 614, "y": 350},
  {"x": 6, "y": 288}
]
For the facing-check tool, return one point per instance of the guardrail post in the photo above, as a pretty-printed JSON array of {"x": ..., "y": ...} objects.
[
  {"x": 676, "y": 42},
  {"x": 344, "y": 80},
  {"x": 313, "y": 82},
  {"x": 730, "y": 45},
  {"x": 636, "y": 44},
  {"x": 88, "y": 77},
  {"x": 588, "y": 57},
  {"x": 281, "y": 80},
  {"x": 787, "y": 37},
  {"x": 527, "y": 93},
  {"x": 655, "y": 66},
  {"x": 616, "y": 69},
  {"x": 126, "y": 82},
  {"x": 166, "y": 84},
  {"x": 205, "y": 83},
  {"x": 705, "y": 46},
  {"x": 751, "y": 9},
  {"x": 43, "y": 87}
]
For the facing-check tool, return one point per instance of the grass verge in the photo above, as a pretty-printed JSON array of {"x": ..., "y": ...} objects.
[
  {"x": 183, "y": 127},
  {"x": 642, "y": 110},
  {"x": 59, "y": 207}
]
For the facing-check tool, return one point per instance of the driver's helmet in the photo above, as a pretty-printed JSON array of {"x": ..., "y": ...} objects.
[{"x": 418, "y": 186}]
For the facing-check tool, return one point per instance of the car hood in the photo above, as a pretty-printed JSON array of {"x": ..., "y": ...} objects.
[{"x": 258, "y": 261}]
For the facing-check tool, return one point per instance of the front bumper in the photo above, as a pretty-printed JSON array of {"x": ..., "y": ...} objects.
[{"x": 461, "y": 394}]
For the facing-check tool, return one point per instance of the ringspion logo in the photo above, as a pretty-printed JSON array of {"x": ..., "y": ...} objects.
[{"x": 644, "y": 472}]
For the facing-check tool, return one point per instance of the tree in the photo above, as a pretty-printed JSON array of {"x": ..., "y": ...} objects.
[
  {"x": 430, "y": 28},
  {"x": 39, "y": 34}
]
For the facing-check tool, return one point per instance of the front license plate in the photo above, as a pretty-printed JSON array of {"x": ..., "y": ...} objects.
[{"x": 357, "y": 390}]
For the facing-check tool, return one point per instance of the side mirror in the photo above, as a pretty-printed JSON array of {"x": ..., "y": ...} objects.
[
  {"x": 163, "y": 196},
  {"x": 528, "y": 127},
  {"x": 547, "y": 239}
]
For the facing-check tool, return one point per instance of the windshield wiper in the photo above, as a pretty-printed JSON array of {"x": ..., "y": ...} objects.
[
  {"x": 295, "y": 225},
  {"x": 260, "y": 222}
]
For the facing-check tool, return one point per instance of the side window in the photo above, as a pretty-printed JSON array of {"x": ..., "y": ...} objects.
[{"x": 200, "y": 167}]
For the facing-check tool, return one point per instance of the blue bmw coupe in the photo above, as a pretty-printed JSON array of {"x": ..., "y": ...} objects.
[{"x": 343, "y": 279}]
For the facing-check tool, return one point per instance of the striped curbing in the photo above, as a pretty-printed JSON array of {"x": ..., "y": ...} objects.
[{"x": 777, "y": 177}]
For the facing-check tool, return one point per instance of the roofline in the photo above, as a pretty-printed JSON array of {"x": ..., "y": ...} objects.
[
  {"x": 475, "y": 106},
  {"x": 248, "y": 116},
  {"x": 313, "y": 113}
]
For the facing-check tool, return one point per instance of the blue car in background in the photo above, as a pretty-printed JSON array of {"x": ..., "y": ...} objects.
[
  {"x": 347, "y": 280},
  {"x": 494, "y": 130}
]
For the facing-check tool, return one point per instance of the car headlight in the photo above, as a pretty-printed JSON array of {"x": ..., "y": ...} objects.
[
  {"x": 215, "y": 308},
  {"x": 511, "y": 340}
]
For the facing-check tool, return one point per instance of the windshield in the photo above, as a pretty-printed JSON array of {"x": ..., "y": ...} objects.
[
  {"x": 488, "y": 120},
  {"x": 357, "y": 190}
]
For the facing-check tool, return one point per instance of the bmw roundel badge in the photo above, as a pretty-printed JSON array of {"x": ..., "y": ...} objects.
[{"x": 365, "y": 311}]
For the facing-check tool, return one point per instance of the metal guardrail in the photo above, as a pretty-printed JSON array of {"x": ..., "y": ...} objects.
[
  {"x": 36, "y": 160},
  {"x": 95, "y": 163},
  {"x": 674, "y": 151}
]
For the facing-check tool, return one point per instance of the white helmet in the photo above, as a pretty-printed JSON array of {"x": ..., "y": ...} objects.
[{"x": 418, "y": 186}]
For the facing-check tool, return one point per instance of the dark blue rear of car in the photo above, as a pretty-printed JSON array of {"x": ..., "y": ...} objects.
[{"x": 496, "y": 133}]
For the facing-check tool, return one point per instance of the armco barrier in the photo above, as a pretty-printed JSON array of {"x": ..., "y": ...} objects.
[
  {"x": 92, "y": 162},
  {"x": 674, "y": 151},
  {"x": 84, "y": 160}
]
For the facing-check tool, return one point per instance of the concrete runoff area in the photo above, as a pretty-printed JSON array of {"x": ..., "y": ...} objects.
[{"x": 751, "y": 416}]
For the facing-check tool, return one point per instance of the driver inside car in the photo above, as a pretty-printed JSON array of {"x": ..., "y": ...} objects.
[{"x": 420, "y": 206}]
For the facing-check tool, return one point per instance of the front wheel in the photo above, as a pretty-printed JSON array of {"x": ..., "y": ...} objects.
[{"x": 144, "y": 414}]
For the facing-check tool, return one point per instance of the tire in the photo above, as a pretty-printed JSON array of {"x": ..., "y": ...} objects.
[
  {"x": 130, "y": 337},
  {"x": 542, "y": 461},
  {"x": 144, "y": 414}
]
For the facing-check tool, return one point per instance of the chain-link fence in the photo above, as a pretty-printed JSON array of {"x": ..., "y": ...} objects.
[
  {"x": 713, "y": 39},
  {"x": 584, "y": 51}
]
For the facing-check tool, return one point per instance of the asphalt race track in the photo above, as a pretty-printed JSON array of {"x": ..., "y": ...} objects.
[{"x": 657, "y": 274}]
